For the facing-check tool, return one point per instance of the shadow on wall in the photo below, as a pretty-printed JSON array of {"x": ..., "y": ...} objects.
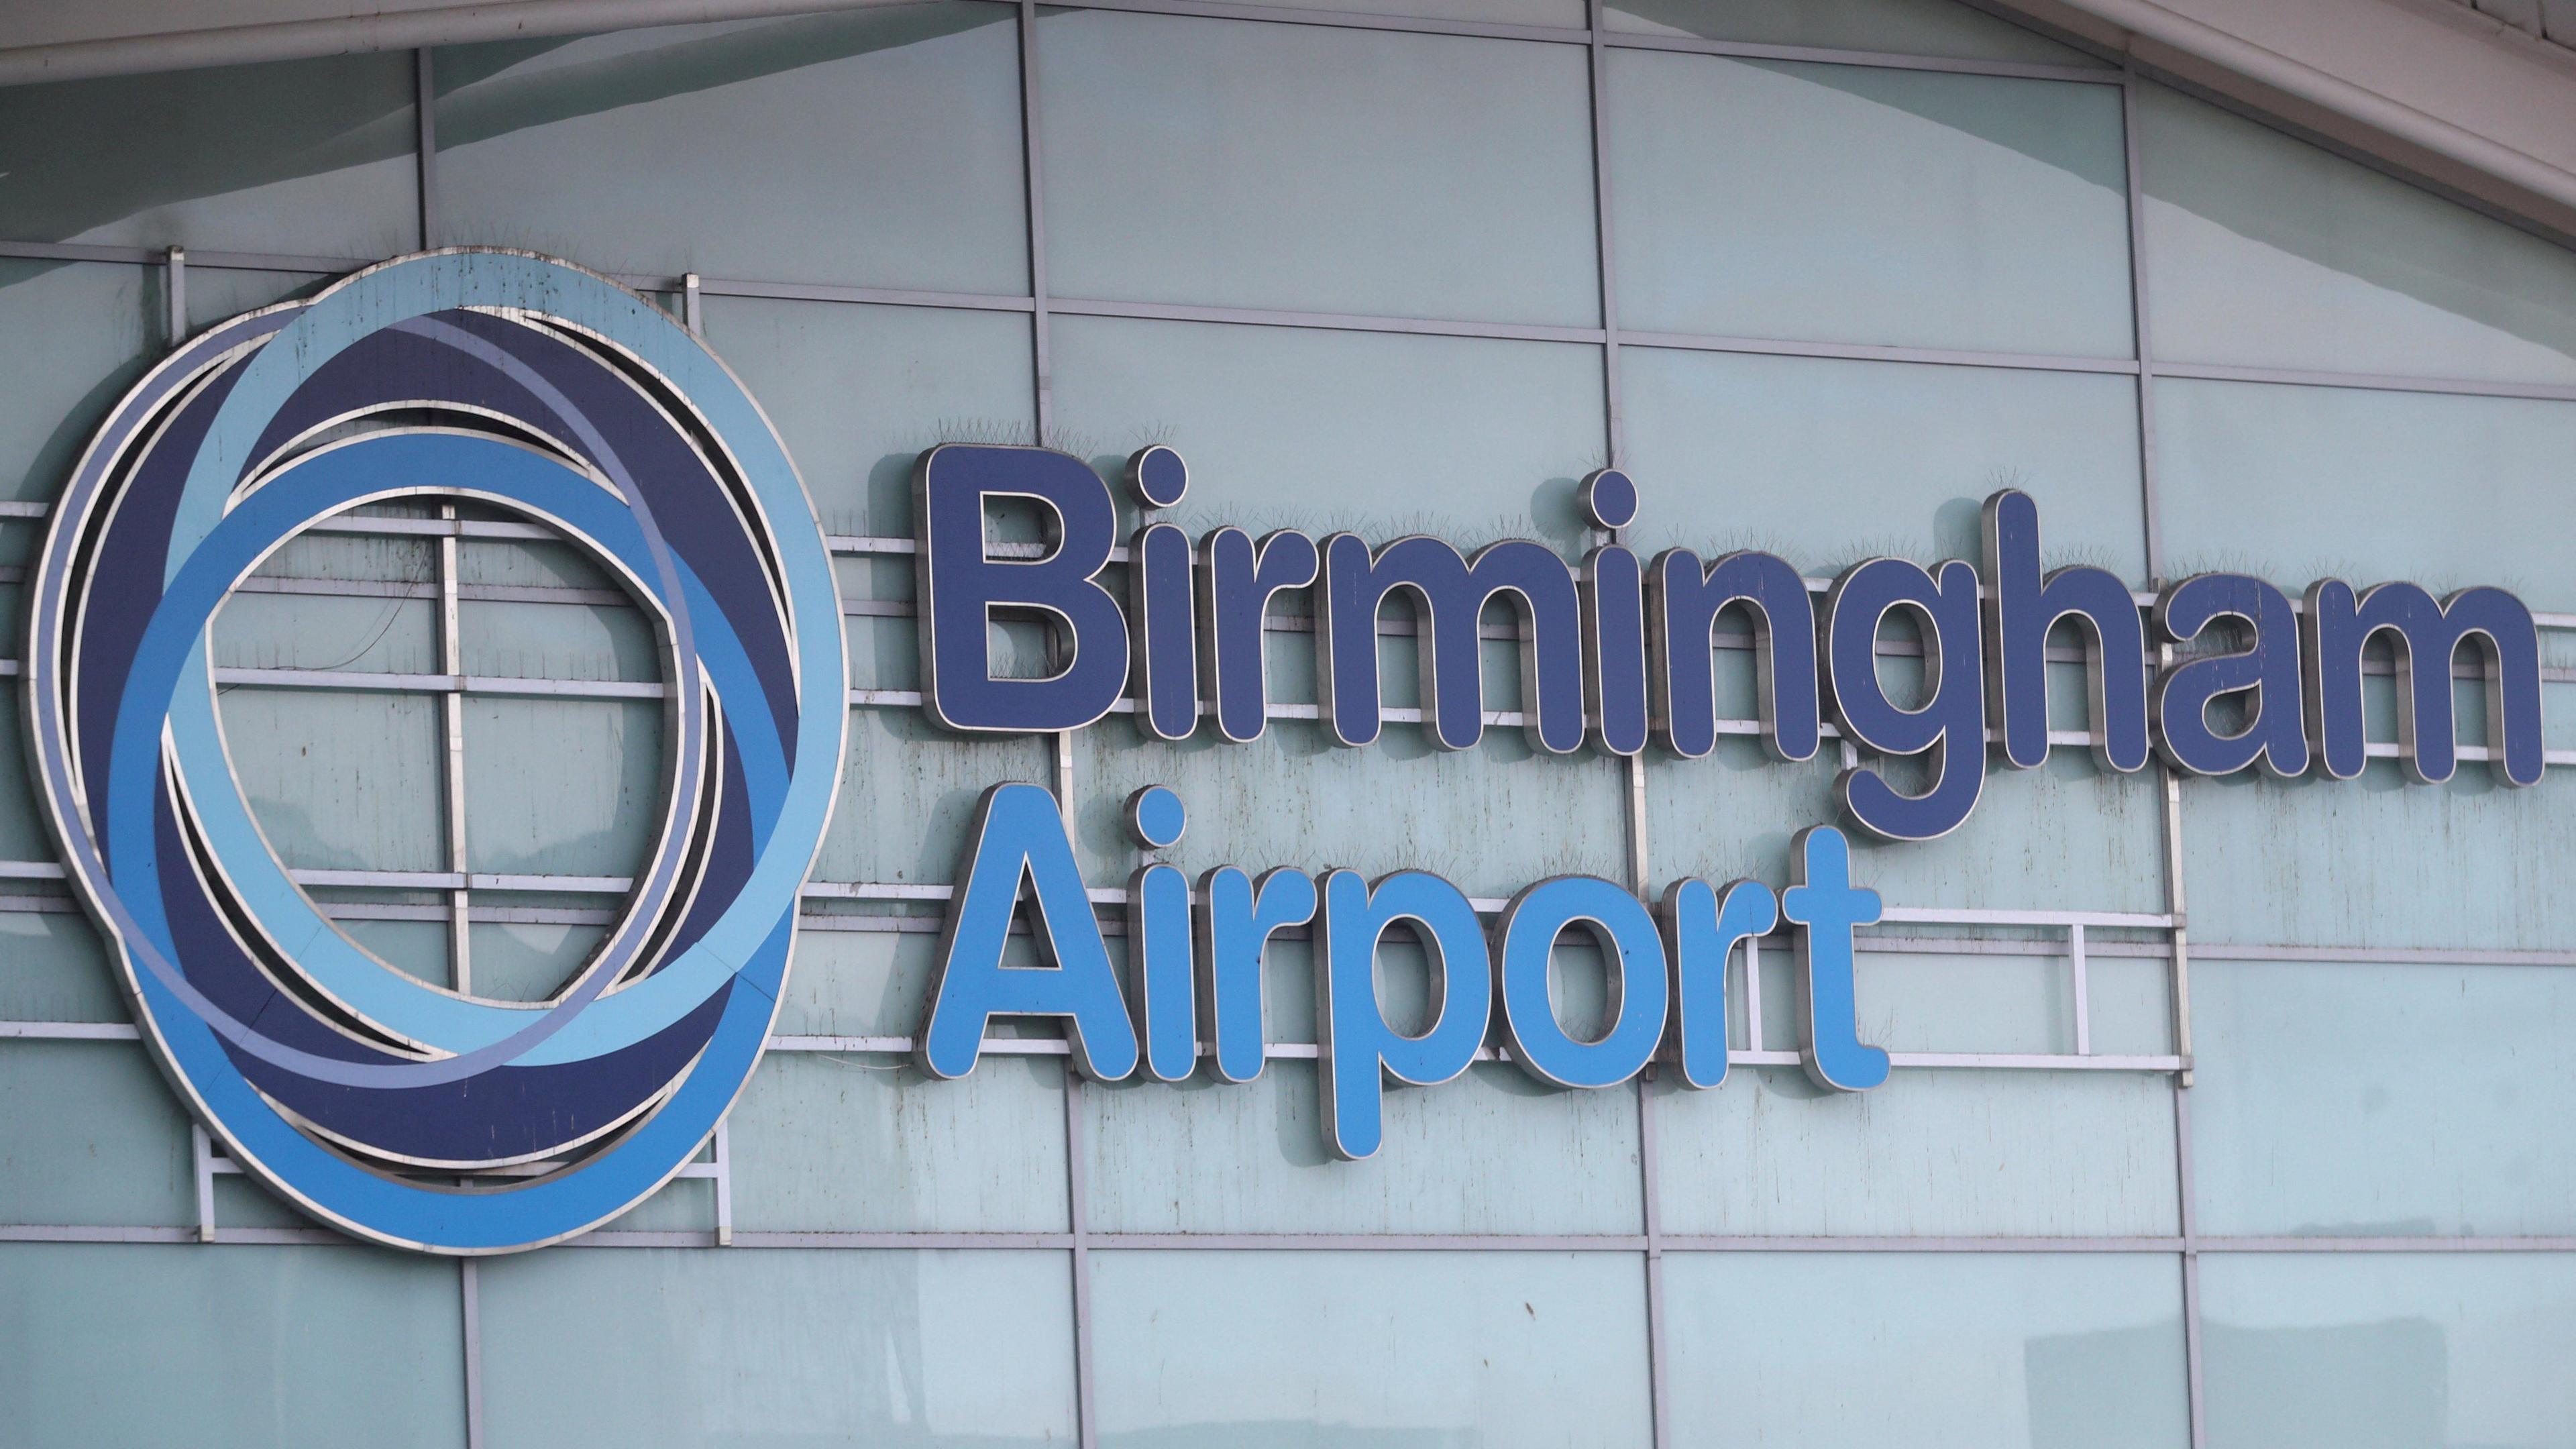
[{"x": 76, "y": 155}]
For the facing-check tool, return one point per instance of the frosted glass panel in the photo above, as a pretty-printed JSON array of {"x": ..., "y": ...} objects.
[
  {"x": 1838, "y": 203},
  {"x": 858, "y": 393},
  {"x": 562, "y": 787},
  {"x": 53, "y": 967},
  {"x": 1403, "y": 1350},
  {"x": 746, "y": 1348},
  {"x": 2380, "y": 861},
  {"x": 879, "y": 147},
  {"x": 2266, "y": 251},
  {"x": 1973, "y": 1350},
  {"x": 309, "y": 157},
  {"x": 2296, "y": 483},
  {"x": 2066, "y": 836},
  {"x": 2389, "y": 1349},
  {"x": 1316, "y": 169},
  {"x": 340, "y": 780},
  {"x": 2381, "y": 1100},
  {"x": 1897, "y": 27},
  {"x": 1826, "y": 462},
  {"x": 867, "y": 1143},
  {"x": 1492, "y": 1152},
  {"x": 1285, "y": 427},
  {"x": 92, "y": 1137},
  {"x": 114, "y": 1344},
  {"x": 1931, "y": 1153},
  {"x": 81, "y": 329}
]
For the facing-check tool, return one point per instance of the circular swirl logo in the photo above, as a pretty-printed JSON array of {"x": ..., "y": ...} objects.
[{"x": 370, "y": 1097}]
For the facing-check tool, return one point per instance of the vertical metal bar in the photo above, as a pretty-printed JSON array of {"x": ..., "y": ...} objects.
[
  {"x": 1614, "y": 443},
  {"x": 1033, "y": 164},
  {"x": 425, "y": 144},
  {"x": 174, "y": 295},
  {"x": 201, "y": 1163},
  {"x": 470, "y": 1292},
  {"x": 1753, "y": 993},
  {"x": 2171, "y": 814},
  {"x": 1078, "y": 1204},
  {"x": 2189, "y": 1215},
  {"x": 1077, "y": 1191},
  {"x": 2083, "y": 991},
  {"x": 693, "y": 305},
  {"x": 451, "y": 662},
  {"x": 723, "y": 1155},
  {"x": 1650, "y": 1178}
]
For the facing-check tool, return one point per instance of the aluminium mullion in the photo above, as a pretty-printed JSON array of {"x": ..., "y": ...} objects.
[
  {"x": 425, "y": 143},
  {"x": 470, "y": 1310},
  {"x": 1633, "y": 768},
  {"x": 451, "y": 649},
  {"x": 2168, "y": 779},
  {"x": 1077, "y": 1192}
]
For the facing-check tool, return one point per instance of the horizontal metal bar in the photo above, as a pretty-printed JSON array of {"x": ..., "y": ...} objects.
[
  {"x": 69, "y": 1031},
  {"x": 446, "y": 880},
  {"x": 1281, "y": 1051},
  {"x": 2378, "y": 955},
  {"x": 1327, "y": 321},
  {"x": 160, "y": 256},
  {"x": 825, "y": 1239},
  {"x": 1818, "y": 55},
  {"x": 2373, "y": 382},
  {"x": 373, "y": 525},
  {"x": 1869, "y": 352},
  {"x": 375, "y": 682},
  {"x": 471, "y": 593},
  {"x": 1961, "y": 916}
]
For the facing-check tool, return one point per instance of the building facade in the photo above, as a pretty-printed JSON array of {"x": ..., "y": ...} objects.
[{"x": 2222, "y": 1108}]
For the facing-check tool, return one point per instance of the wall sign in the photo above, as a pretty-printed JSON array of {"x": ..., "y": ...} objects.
[
  {"x": 1617, "y": 651},
  {"x": 566, "y": 399},
  {"x": 364, "y": 1094}
]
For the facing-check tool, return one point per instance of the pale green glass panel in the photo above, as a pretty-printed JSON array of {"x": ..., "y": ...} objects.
[
  {"x": 53, "y": 967},
  {"x": 24, "y": 835},
  {"x": 310, "y": 157},
  {"x": 684, "y": 1348},
  {"x": 859, "y": 393},
  {"x": 682, "y": 1205},
  {"x": 1973, "y": 1350},
  {"x": 1936, "y": 28},
  {"x": 859, "y": 983},
  {"x": 1490, "y": 1152},
  {"x": 339, "y": 780},
  {"x": 1839, "y": 203},
  {"x": 1490, "y": 820},
  {"x": 2359, "y": 1100},
  {"x": 92, "y": 1137},
  {"x": 525, "y": 640},
  {"x": 2381, "y": 861},
  {"x": 531, "y": 961},
  {"x": 115, "y": 1344},
  {"x": 1464, "y": 438},
  {"x": 2387, "y": 1349},
  {"x": 562, "y": 787},
  {"x": 908, "y": 790},
  {"x": 879, "y": 147},
  {"x": 1401, "y": 1350},
  {"x": 79, "y": 332},
  {"x": 2265, "y": 251},
  {"x": 416, "y": 948},
  {"x": 1827, "y": 462},
  {"x": 2066, "y": 836},
  {"x": 1932, "y": 1152},
  {"x": 837, "y": 1141},
  {"x": 2298, "y": 483},
  {"x": 1315, "y": 168},
  {"x": 322, "y": 631}
]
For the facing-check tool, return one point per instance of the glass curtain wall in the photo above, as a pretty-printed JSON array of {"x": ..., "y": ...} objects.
[{"x": 1820, "y": 275}]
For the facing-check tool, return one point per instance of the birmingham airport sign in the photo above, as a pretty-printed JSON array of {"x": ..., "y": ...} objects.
[{"x": 391, "y": 1107}]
